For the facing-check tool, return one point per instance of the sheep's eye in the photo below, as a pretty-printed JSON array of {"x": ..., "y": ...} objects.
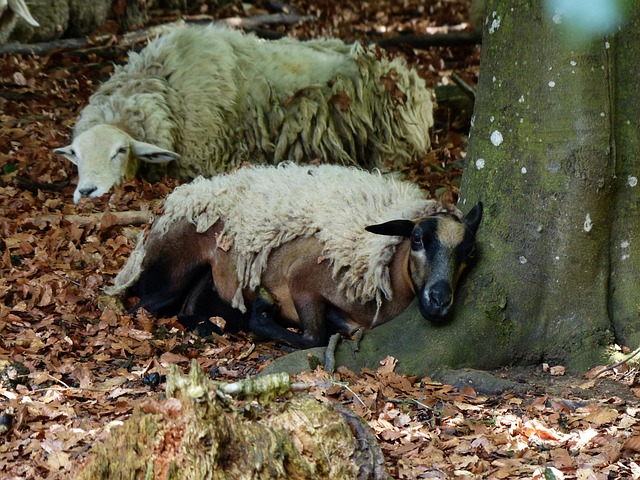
[
  {"x": 469, "y": 252},
  {"x": 121, "y": 151},
  {"x": 73, "y": 152},
  {"x": 416, "y": 238}
]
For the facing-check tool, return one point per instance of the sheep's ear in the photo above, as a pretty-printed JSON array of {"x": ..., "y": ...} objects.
[
  {"x": 472, "y": 219},
  {"x": 401, "y": 228},
  {"x": 151, "y": 153},
  {"x": 20, "y": 8},
  {"x": 67, "y": 152}
]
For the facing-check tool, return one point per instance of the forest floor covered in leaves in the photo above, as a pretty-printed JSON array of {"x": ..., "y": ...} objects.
[{"x": 73, "y": 366}]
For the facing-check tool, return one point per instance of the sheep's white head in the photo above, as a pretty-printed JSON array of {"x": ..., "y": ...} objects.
[{"x": 105, "y": 155}]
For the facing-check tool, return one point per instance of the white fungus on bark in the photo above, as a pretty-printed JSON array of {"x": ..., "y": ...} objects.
[
  {"x": 588, "y": 224},
  {"x": 496, "y": 138},
  {"x": 633, "y": 181},
  {"x": 495, "y": 23},
  {"x": 480, "y": 163}
]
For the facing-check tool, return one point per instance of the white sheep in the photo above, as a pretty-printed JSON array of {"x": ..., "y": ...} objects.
[
  {"x": 319, "y": 247},
  {"x": 10, "y": 11},
  {"x": 209, "y": 98}
]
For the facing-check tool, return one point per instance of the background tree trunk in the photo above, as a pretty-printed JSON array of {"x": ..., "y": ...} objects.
[{"x": 553, "y": 154}]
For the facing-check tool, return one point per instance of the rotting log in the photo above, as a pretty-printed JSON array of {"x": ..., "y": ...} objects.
[{"x": 200, "y": 432}]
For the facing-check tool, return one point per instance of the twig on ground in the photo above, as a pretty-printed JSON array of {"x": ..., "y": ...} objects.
[
  {"x": 330, "y": 353},
  {"x": 617, "y": 364}
]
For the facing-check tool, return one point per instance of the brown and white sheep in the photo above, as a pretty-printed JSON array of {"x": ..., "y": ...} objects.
[
  {"x": 323, "y": 248},
  {"x": 201, "y": 100}
]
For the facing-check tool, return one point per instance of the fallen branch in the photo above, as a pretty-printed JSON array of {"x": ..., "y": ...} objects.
[
  {"x": 451, "y": 39},
  {"x": 138, "y": 36},
  {"x": 106, "y": 219},
  {"x": 16, "y": 48},
  {"x": 468, "y": 90},
  {"x": 74, "y": 44}
]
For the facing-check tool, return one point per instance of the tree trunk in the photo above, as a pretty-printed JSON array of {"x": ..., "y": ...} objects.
[
  {"x": 625, "y": 232},
  {"x": 541, "y": 158},
  {"x": 553, "y": 154}
]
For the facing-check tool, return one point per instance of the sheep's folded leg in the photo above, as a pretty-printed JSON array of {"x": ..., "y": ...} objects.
[{"x": 264, "y": 322}]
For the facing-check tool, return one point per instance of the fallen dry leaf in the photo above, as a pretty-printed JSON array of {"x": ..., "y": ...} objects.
[{"x": 632, "y": 443}]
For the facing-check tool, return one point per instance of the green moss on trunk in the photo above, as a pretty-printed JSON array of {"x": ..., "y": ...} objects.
[{"x": 625, "y": 234}]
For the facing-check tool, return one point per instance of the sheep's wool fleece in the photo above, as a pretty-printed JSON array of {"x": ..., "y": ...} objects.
[
  {"x": 263, "y": 207},
  {"x": 219, "y": 97}
]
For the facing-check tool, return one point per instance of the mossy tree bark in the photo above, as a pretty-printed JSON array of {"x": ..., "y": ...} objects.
[
  {"x": 624, "y": 303},
  {"x": 553, "y": 154}
]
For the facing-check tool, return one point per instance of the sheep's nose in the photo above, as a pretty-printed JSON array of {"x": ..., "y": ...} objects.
[
  {"x": 87, "y": 191},
  {"x": 440, "y": 295}
]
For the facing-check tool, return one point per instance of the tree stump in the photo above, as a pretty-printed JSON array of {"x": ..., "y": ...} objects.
[{"x": 200, "y": 432}]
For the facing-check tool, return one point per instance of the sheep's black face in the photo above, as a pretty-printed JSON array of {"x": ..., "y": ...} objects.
[{"x": 442, "y": 246}]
